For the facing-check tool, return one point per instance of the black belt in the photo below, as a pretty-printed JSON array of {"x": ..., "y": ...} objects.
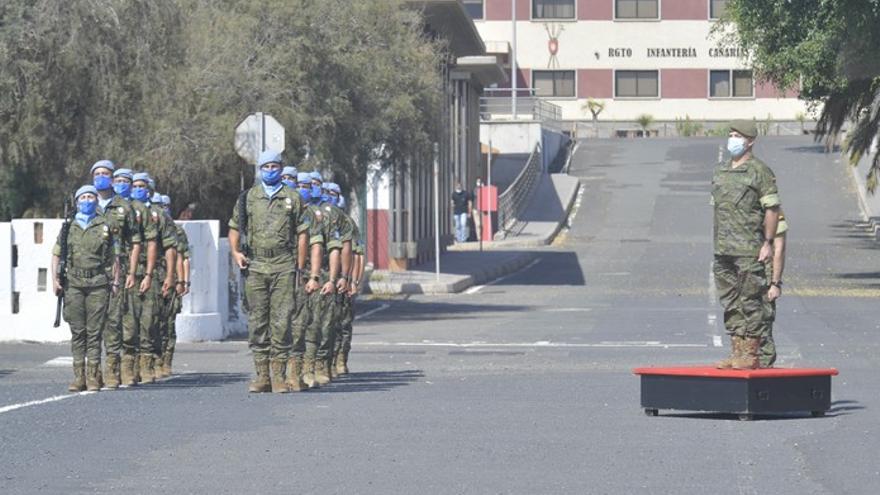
[{"x": 76, "y": 272}]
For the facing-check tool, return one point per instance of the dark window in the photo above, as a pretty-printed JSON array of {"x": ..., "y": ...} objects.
[
  {"x": 553, "y": 9},
  {"x": 474, "y": 8},
  {"x": 717, "y": 8},
  {"x": 636, "y": 9},
  {"x": 558, "y": 83},
  {"x": 730, "y": 83},
  {"x": 637, "y": 84}
]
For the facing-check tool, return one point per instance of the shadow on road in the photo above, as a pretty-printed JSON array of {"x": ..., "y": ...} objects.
[
  {"x": 818, "y": 148},
  {"x": 755, "y": 417},
  {"x": 371, "y": 381},
  {"x": 844, "y": 407},
  {"x": 200, "y": 380},
  {"x": 6, "y": 372}
]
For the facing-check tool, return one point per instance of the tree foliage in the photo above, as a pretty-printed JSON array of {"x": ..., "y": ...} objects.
[
  {"x": 159, "y": 86},
  {"x": 825, "y": 48}
]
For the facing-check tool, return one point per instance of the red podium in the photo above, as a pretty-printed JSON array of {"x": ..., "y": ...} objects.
[
  {"x": 487, "y": 204},
  {"x": 741, "y": 392}
]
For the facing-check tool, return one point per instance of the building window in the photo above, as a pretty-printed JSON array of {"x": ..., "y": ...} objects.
[
  {"x": 637, "y": 9},
  {"x": 474, "y": 8},
  {"x": 717, "y": 8},
  {"x": 636, "y": 84},
  {"x": 553, "y": 9},
  {"x": 731, "y": 84},
  {"x": 556, "y": 83}
]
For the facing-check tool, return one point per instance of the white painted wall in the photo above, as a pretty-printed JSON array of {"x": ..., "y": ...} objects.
[
  {"x": 206, "y": 315},
  {"x": 521, "y": 136},
  {"x": 697, "y": 109}
]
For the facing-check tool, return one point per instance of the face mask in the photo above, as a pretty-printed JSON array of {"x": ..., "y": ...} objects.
[
  {"x": 325, "y": 198},
  {"x": 87, "y": 207},
  {"x": 305, "y": 193},
  {"x": 102, "y": 182},
  {"x": 340, "y": 202},
  {"x": 736, "y": 146},
  {"x": 139, "y": 194},
  {"x": 123, "y": 189},
  {"x": 333, "y": 200},
  {"x": 289, "y": 183},
  {"x": 271, "y": 177},
  {"x": 316, "y": 192}
]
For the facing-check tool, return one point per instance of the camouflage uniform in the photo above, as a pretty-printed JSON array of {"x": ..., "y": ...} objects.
[
  {"x": 305, "y": 336},
  {"x": 337, "y": 229},
  {"x": 767, "y": 353},
  {"x": 346, "y": 316},
  {"x": 138, "y": 316},
  {"x": 273, "y": 226},
  {"x": 120, "y": 216},
  {"x": 740, "y": 196},
  {"x": 90, "y": 254},
  {"x": 169, "y": 332},
  {"x": 149, "y": 348}
]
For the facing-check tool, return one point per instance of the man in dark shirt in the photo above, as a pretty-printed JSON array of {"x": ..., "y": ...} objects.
[{"x": 461, "y": 205}]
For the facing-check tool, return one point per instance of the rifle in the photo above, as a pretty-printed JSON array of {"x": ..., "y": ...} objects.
[
  {"x": 243, "y": 244},
  {"x": 62, "y": 266}
]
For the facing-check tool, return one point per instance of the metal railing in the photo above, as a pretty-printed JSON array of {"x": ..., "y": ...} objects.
[
  {"x": 516, "y": 197},
  {"x": 500, "y": 108}
]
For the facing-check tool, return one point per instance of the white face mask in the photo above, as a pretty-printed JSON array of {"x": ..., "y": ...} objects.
[{"x": 736, "y": 146}]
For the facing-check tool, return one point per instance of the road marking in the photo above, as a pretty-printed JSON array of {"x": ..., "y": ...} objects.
[
  {"x": 477, "y": 288},
  {"x": 372, "y": 311},
  {"x": 567, "y": 310},
  {"x": 60, "y": 361},
  {"x": 542, "y": 344},
  {"x": 13, "y": 407}
]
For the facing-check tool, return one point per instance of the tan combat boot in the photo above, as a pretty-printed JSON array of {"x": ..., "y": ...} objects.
[
  {"x": 735, "y": 350},
  {"x": 322, "y": 375},
  {"x": 79, "y": 377},
  {"x": 93, "y": 377},
  {"x": 127, "y": 371},
  {"x": 261, "y": 382},
  {"x": 112, "y": 371},
  {"x": 146, "y": 364},
  {"x": 748, "y": 357},
  {"x": 136, "y": 374},
  {"x": 166, "y": 362},
  {"x": 308, "y": 374},
  {"x": 331, "y": 369},
  {"x": 295, "y": 382},
  {"x": 159, "y": 366},
  {"x": 278, "y": 385},
  {"x": 342, "y": 363}
]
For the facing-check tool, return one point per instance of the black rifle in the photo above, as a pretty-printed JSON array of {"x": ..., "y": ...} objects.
[
  {"x": 243, "y": 244},
  {"x": 62, "y": 266}
]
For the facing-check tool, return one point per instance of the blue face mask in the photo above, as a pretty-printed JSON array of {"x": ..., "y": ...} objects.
[
  {"x": 289, "y": 183},
  {"x": 736, "y": 146},
  {"x": 270, "y": 177},
  {"x": 325, "y": 198},
  {"x": 123, "y": 189},
  {"x": 332, "y": 200},
  {"x": 87, "y": 207},
  {"x": 316, "y": 192},
  {"x": 102, "y": 182},
  {"x": 140, "y": 194},
  {"x": 305, "y": 194}
]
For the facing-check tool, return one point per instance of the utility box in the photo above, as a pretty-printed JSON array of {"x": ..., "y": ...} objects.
[{"x": 487, "y": 205}]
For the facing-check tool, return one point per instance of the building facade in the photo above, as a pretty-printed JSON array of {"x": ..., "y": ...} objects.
[{"x": 655, "y": 57}]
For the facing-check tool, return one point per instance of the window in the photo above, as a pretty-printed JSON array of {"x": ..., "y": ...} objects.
[
  {"x": 717, "y": 8},
  {"x": 730, "y": 84},
  {"x": 636, "y": 84},
  {"x": 474, "y": 8},
  {"x": 637, "y": 9},
  {"x": 558, "y": 83},
  {"x": 553, "y": 9}
]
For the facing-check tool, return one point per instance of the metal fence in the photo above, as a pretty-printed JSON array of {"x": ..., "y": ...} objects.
[
  {"x": 501, "y": 108},
  {"x": 516, "y": 197}
]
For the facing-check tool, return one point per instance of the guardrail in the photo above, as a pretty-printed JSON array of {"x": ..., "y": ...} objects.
[
  {"x": 516, "y": 197},
  {"x": 500, "y": 108}
]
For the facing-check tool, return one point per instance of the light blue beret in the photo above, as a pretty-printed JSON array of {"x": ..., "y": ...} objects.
[
  {"x": 102, "y": 164},
  {"x": 269, "y": 156},
  {"x": 88, "y": 188}
]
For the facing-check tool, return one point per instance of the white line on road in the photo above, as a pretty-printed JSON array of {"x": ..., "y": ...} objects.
[
  {"x": 542, "y": 344},
  {"x": 476, "y": 288},
  {"x": 59, "y": 362},
  {"x": 372, "y": 311},
  {"x": 13, "y": 407}
]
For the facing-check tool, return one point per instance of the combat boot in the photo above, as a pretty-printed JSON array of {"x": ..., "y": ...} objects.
[
  {"x": 146, "y": 362},
  {"x": 322, "y": 375},
  {"x": 112, "y": 371},
  {"x": 93, "y": 378},
  {"x": 278, "y": 385},
  {"x": 136, "y": 374},
  {"x": 79, "y": 377},
  {"x": 166, "y": 362},
  {"x": 308, "y": 374},
  {"x": 261, "y": 382},
  {"x": 748, "y": 357},
  {"x": 159, "y": 366},
  {"x": 342, "y": 363},
  {"x": 331, "y": 369},
  {"x": 295, "y": 382},
  {"x": 735, "y": 350},
  {"x": 127, "y": 372}
]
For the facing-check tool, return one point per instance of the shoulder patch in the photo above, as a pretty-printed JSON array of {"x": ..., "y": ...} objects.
[{"x": 120, "y": 210}]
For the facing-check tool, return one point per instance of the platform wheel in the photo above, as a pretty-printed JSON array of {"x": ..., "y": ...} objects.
[
  {"x": 817, "y": 414},
  {"x": 746, "y": 417},
  {"x": 651, "y": 412}
]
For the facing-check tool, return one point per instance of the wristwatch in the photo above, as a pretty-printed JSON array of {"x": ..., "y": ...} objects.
[{"x": 777, "y": 284}]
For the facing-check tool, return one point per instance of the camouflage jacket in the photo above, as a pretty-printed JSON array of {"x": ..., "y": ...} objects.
[
  {"x": 90, "y": 253},
  {"x": 149, "y": 231},
  {"x": 740, "y": 197}
]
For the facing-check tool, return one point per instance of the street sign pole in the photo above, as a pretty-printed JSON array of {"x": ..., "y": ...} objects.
[{"x": 437, "y": 212}]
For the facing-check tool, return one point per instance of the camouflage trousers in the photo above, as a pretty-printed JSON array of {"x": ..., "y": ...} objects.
[
  {"x": 325, "y": 310},
  {"x": 303, "y": 333},
  {"x": 85, "y": 310},
  {"x": 270, "y": 301},
  {"x": 165, "y": 321},
  {"x": 343, "y": 327},
  {"x": 137, "y": 318},
  {"x": 168, "y": 334},
  {"x": 112, "y": 332},
  {"x": 742, "y": 284}
]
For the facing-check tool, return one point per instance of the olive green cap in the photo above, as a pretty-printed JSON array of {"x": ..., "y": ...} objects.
[{"x": 745, "y": 127}]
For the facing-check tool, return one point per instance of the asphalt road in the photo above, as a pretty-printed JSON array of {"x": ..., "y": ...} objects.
[{"x": 522, "y": 386}]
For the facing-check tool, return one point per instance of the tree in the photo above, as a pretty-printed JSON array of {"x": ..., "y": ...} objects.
[
  {"x": 825, "y": 48},
  {"x": 645, "y": 120},
  {"x": 595, "y": 107}
]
